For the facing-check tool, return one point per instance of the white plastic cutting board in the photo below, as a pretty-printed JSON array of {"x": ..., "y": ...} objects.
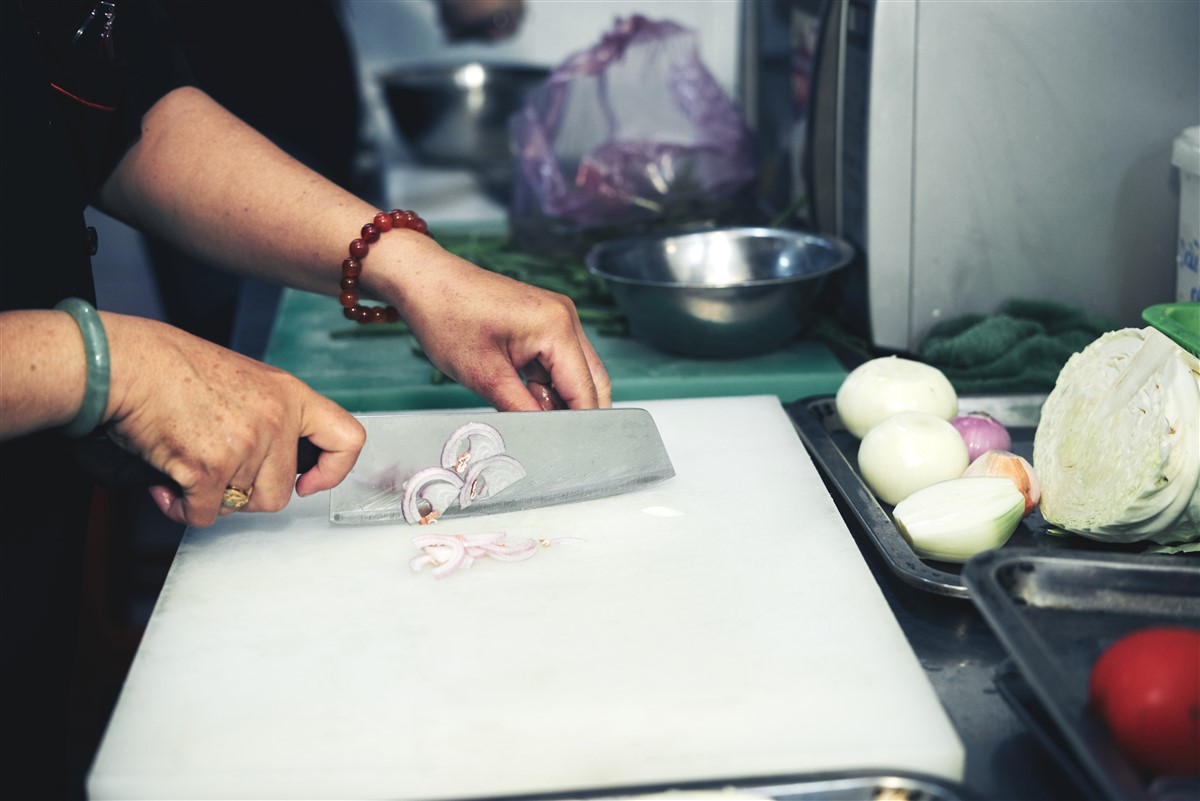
[{"x": 719, "y": 625}]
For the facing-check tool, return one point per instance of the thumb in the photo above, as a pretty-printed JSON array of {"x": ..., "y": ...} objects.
[{"x": 340, "y": 438}]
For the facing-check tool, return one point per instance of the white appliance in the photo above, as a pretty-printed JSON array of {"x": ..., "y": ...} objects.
[{"x": 980, "y": 150}]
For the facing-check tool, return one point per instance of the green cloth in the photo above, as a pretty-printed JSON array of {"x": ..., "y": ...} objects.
[{"x": 1021, "y": 348}]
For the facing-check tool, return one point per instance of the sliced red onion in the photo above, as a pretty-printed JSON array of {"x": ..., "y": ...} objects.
[
  {"x": 982, "y": 433},
  {"x": 470, "y": 442},
  {"x": 516, "y": 551},
  {"x": 489, "y": 477},
  {"x": 445, "y": 553},
  {"x": 429, "y": 493},
  {"x": 473, "y": 466},
  {"x": 451, "y": 552}
]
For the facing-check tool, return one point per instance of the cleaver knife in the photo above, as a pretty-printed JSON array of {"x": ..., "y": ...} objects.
[{"x": 564, "y": 456}]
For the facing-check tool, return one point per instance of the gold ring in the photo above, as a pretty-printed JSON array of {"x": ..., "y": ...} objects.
[{"x": 235, "y": 497}]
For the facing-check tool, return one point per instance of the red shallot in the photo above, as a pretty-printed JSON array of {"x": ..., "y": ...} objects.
[{"x": 982, "y": 432}]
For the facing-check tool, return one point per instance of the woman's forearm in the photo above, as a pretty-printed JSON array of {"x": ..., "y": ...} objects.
[
  {"x": 206, "y": 181},
  {"x": 42, "y": 371}
]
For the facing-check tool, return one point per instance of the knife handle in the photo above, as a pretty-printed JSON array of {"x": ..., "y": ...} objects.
[{"x": 113, "y": 466}]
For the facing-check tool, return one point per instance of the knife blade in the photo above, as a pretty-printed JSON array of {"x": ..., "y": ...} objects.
[{"x": 566, "y": 456}]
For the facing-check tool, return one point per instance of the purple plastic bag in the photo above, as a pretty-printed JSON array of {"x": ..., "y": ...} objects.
[{"x": 630, "y": 130}]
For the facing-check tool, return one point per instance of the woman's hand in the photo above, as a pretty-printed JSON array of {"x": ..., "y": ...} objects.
[
  {"x": 211, "y": 418},
  {"x": 488, "y": 332}
]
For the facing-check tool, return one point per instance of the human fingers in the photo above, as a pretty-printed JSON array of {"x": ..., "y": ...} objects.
[
  {"x": 266, "y": 484},
  {"x": 212, "y": 419},
  {"x": 563, "y": 368},
  {"x": 339, "y": 436},
  {"x": 257, "y": 485},
  {"x": 544, "y": 393},
  {"x": 167, "y": 500},
  {"x": 481, "y": 329},
  {"x": 559, "y": 364},
  {"x": 217, "y": 482},
  {"x": 271, "y": 485},
  {"x": 541, "y": 387},
  {"x": 596, "y": 369},
  {"x": 529, "y": 374}
]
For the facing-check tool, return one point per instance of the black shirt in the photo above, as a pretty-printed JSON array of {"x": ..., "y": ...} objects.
[{"x": 71, "y": 109}]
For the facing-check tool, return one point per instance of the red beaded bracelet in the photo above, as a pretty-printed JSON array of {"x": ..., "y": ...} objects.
[{"x": 352, "y": 266}]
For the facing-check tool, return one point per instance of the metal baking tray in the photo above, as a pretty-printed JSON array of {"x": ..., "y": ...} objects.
[
  {"x": 1055, "y": 613},
  {"x": 899, "y": 786},
  {"x": 835, "y": 451}
]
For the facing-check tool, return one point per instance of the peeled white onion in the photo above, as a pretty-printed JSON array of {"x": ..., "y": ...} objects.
[
  {"x": 877, "y": 389},
  {"x": 909, "y": 451}
]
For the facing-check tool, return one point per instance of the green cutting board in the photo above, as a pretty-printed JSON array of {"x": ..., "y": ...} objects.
[{"x": 373, "y": 369}]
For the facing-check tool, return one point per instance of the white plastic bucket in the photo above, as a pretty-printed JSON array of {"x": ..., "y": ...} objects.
[{"x": 1186, "y": 156}]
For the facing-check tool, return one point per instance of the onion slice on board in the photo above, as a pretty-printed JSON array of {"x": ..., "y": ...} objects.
[{"x": 450, "y": 552}]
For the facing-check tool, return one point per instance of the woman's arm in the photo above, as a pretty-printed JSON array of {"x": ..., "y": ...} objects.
[
  {"x": 204, "y": 415},
  {"x": 42, "y": 371},
  {"x": 202, "y": 178}
]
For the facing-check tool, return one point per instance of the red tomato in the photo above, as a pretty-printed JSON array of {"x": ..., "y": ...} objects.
[{"x": 1146, "y": 688}]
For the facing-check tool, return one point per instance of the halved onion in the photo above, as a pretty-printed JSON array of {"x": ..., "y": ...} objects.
[{"x": 953, "y": 520}]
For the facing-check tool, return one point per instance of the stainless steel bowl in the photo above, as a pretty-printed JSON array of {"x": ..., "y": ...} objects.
[
  {"x": 725, "y": 292},
  {"x": 457, "y": 114}
]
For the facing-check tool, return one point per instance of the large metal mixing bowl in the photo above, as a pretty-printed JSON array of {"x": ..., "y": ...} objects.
[
  {"x": 725, "y": 292},
  {"x": 456, "y": 115}
]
